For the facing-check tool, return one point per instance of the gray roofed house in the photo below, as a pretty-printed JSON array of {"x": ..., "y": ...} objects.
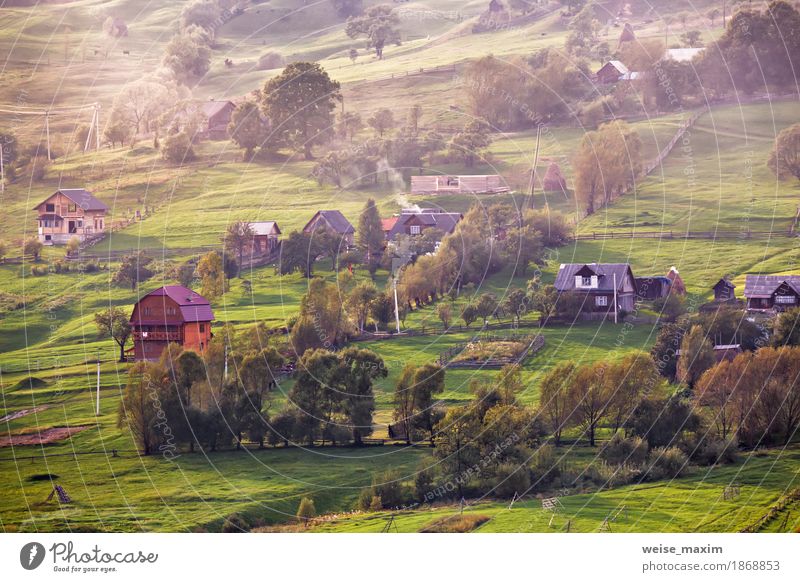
[
  {"x": 265, "y": 237},
  {"x": 334, "y": 220},
  {"x": 413, "y": 222},
  {"x": 766, "y": 292},
  {"x": 68, "y": 213},
  {"x": 596, "y": 282}
]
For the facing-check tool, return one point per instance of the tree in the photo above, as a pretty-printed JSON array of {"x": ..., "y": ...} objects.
[
  {"x": 32, "y": 246},
  {"x": 306, "y": 511},
  {"x": 350, "y": 124},
  {"x": 444, "y": 313},
  {"x": 517, "y": 304},
  {"x": 118, "y": 129},
  {"x": 403, "y": 401},
  {"x": 608, "y": 161},
  {"x": 136, "y": 409},
  {"x": 369, "y": 235},
  {"x": 382, "y": 309},
  {"x": 345, "y": 8},
  {"x": 247, "y": 128},
  {"x": 716, "y": 390},
  {"x": 186, "y": 58},
  {"x": 380, "y": 24},
  {"x": 113, "y": 322},
  {"x": 212, "y": 275},
  {"x": 691, "y": 38},
  {"x": 662, "y": 421},
  {"x": 784, "y": 159},
  {"x": 359, "y": 301},
  {"x": 523, "y": 245},
  {"x": 299, "y": 104},
  {"x": 357, "y": 371},
  {"x": 591, "y": 397},
  {"x": 486, "y": 306},
  {"x": 555, "y": 401},
  {"x": 413, "y": 118},
  {"x": 178, "y": 148},
  {"x": 381, "y": 121},
  {"x": 469, "y": 144},
  {"x": 427, "y": 381},
  {"x": 298, "y": 253},
  {"x": 238, "y": 237},
  {"x": 133, "y": 270},
  {"x": 469, "y": 314},
  {"x": 202, "y": 13},
  {"x": 786, "y": 328},
  {"x": 697, "y": 356},
  {"x": 712, "y": 15}
]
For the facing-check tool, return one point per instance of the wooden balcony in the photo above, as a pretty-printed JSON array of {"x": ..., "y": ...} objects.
[{"x": 162, "y": 336}]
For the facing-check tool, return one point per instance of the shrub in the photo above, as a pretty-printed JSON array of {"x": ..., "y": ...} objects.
[
  {"x": 270, "y": 60},
  {"x": 235, "y": 523},
  {"x": 306, "y": 510},
  {"x": 667, "y": 463},
  {"x": 376, "y": 504},
  {"x": 390, "y": 489},
  {"x": 91, "y": 267},
  {"x": 423, "y": 482},
  {"x": 456, "y": 523},
  {"x": 511, "y": 480},
  {"x": 625, "y": 451},
  {"x": 713, "y": 451},
  {"x": 39, "y": 270}
]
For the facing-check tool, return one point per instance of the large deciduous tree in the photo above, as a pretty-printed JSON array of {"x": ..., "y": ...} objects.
[
  {"x": 248, "y": 129},
  {"x": 784, "y": 159},
  {"x": 379, "y": 24},
  {"x": 299, "y": 104},
  {"x": 113, "y": 322}
]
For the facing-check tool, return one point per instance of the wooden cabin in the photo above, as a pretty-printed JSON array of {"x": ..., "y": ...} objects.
[
  {"x": 170, "y": 314},
  {"x": 476, "y": 184},
  {"x": 611, "y": 72},
  {"x": 772, "y": 292},
  {"x": 70, "y": 212},
  {"x": 416, "y": 221},
  {"x": 266, "y": 237},
  {"x": 218, "y": 115},
  {"x": 724, "y": 290},
  {"x": 334, "y": 221},
  {"x": 596, "y": 281}
]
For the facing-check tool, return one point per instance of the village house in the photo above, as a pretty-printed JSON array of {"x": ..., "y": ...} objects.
[
  {"x": 414, "y": 221},
  {"x": 724, "y": 290},
  {"x": 387, "y": 224},
  {"x": 475, "y": 184},
  {"x": 611, "y": 72},
  {"x": 218, "y": 115},
  {"x": 333, "y": 220},
  {"x": 266, "y": 237},
  {"x": 70, "y": 212},
  {"x": 170, "y": 314},
  {"x": 599, "y": 284},
  {"x": 771, "y": 292}
]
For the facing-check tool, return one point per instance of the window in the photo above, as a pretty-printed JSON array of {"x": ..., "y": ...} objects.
[
  {"x": 171, "y": 311},
  {"x": 601, "y": 301},
  {"x": 148, "y": 310},
  {"x": 586, "y": 281},
  {"x": 414, "y": 229},
  {"x": 80, "y": 224},
  {"x": 72, "y": 208},
  {"x": 784, "y": 299},
  {"x": 49, "y": 207},
  {"x": 202, "y": 328}
]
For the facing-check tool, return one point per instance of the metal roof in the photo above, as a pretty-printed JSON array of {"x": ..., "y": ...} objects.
[
  {"x": 265, "y": 228},
  {"x": 334, "y": 219},
  {"x": 79, "y": 196},
  {"x": 193, "y": 306},
  {"x": 444, "y": 221},
  {"x": 765, "y": 285},
  {"x": 565, "y": 280}
]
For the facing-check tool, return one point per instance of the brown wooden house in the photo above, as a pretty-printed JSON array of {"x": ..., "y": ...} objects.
[
  {"x": 218, "y": 115},
  {"x": 413, "y": 222},
  {"x": 772, "y": 292},
  {"x": 611, "y": 72},
  {"x": 595, "y": 282},
  {"x": 170, "y": 314},
  {"x": 70, "y": 212},
  {"x": 724, "y": 290},
  {"x": 266, "y": 237}
]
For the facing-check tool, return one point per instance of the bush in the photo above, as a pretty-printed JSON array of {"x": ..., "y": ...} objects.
[
  {"x": 177, "y": 148},
  {"x": 91, "y": 267},
  {"x": 39, "y": 270},
  {"x": 390, "y": 489},
  {"x": 625, "y": 451},
  {"x": 715, "y": 451},
  {"x": 511, "y": 480},
  {"x": 667, "y": 463},
  {"x": 270, "y": 60},
  {"x": 456, "y": 523},
  {"x": 235, "y": 523},
  {"x": 375, "y": 504}
]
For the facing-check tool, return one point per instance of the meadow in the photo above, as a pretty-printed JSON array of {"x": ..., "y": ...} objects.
[{"x": 48, "y": 339}]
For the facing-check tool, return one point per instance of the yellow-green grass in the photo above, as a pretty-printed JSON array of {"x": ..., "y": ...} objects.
[{"x": 688, "y": 504}]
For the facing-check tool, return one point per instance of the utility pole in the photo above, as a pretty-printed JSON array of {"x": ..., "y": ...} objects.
[
  {"x": 615, "y": 298},
  {"x": 97, "y": 409},
  {"x": 535, "y": 163},
  {"x": 396, "y": 307},
  {"x": 89, "y": 134},
  {"x": 47, "y": 130},
  {"x": 2, "y": 168},
  {"x": 97, "y": 125}
]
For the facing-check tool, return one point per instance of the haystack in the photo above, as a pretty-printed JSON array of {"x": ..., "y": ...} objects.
[
  {"x": 627, "y": 34},
  {"x": 554, "y": 180},
  {"x": 677, "y": 283}
]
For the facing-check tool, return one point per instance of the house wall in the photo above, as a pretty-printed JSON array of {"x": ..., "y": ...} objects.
[
  {"x": 75, "y": 221},
  {"x": 196, "y": 335}
]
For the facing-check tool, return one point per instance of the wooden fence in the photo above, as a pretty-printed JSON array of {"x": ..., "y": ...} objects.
[
  {"x": 535, "y": 343},
  {"x": 683, "y": 235}
]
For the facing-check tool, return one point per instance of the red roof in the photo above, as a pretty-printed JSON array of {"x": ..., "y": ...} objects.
[
  {"x": 194, "y": 307},
  {"x": 388, "y": 223}
]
